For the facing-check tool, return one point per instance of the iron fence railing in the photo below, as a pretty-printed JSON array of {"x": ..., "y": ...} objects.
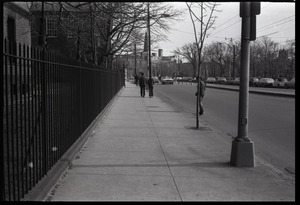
[{"x": 48, "y": 102}]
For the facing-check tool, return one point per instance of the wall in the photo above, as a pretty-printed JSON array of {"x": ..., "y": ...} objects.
[{"x": 22, "y": 20}]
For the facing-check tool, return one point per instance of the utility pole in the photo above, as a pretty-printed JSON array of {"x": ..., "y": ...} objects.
[
  {"x": 233, "y": 65},
  {"x": 242, "y": 151},
  {"x": 134, "y": 59},
  {"x": 233, "y": 60},
  {"x": 149, "y": 42},
  {"x": 134, "y": 49}
]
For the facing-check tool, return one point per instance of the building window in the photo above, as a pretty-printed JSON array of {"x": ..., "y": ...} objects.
[
  {"x": 68, "y": 26},
  {"x": 51, "y": 26},
  {"x": 11, "y": 29},
  {"x": 11, "y": 34}
]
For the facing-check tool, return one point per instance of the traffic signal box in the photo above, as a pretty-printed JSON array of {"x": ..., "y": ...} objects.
[{"x": 250, "y": 9}]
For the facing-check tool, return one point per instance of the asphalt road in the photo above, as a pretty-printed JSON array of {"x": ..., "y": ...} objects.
[{"x": 271, "y": 120}]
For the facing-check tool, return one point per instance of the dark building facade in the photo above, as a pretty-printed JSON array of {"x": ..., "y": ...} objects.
[
  {"x": 16, "y": 22},
  {"x": 70, "y": 32}
]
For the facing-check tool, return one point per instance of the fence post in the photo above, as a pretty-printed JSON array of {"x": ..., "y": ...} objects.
[
  {"x": 2, "y": 181},
  {"x": 44, "y": 112}
]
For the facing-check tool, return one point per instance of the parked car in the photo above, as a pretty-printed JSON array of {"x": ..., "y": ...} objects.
[
  {"x": 177, "y": 79},
  {"x": 236, "y": 81},
  {"x": 167, "y": 80},
  {"x": 264, "y": 82},
  {"x": 252, "y": 81},
  {"x": 155, "y": 78},
  {"x": 280, "y": 82},
  {"x": 221, "y": 80},
  {"x": 290, "y": 84},
  {"x": 210, "y": 80},
  {"x": 187, "y": 79}
]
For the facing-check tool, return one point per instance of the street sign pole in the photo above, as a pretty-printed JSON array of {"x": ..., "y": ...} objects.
[{"x": 242, "y": 150}]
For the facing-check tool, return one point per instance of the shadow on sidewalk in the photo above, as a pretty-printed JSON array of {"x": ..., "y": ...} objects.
[
  {"x": 128, "y": 96},
  {"x": 196, "y": 164}
]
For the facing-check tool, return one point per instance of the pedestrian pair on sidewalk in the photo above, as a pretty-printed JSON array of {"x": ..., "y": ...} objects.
[{"x": 142, "y": 82}]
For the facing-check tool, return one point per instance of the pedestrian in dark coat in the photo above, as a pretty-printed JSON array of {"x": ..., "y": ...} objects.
[
  {"x": 136, "y": 79},
  {"x": 150, "y": 85},
  {"x": 142, "y": 83},
  {"x": 202, "y": 93}
]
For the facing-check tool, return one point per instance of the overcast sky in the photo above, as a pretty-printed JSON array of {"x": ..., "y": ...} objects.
[{"x": 276, "y": 20}]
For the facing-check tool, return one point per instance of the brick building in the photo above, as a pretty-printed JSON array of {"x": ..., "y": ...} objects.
[
  {"x": 16, "y": 22},
  {"x": 68, "y": 31},
  {"x": 16, "y": 29}
]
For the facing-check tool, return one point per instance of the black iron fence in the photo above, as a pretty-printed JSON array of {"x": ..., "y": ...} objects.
[{"x": 48, "y": 102}]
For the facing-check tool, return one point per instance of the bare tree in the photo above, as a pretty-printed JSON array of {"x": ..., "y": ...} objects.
[
  {"x": 104, "y": 29},
  {"x": 264, "y": 53},
  {"x": 206, "y": 19},
  {"x": 189, "y": 52},
  {"x": 128, "y": 23}
]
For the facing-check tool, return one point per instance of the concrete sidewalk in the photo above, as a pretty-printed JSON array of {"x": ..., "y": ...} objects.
[{"x": 147, "y": 149}]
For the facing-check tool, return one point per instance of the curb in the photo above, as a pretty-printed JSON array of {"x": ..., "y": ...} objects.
[
  {"x": 257, "y": 92},
  {"x": 280, "y": 94}
]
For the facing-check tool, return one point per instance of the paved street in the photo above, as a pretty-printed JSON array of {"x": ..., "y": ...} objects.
[
  {"x": 147, "y": 149},
  {"x": 271, "y": 117}
]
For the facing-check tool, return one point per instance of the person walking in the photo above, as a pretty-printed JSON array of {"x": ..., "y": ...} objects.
[
  {"x": 202, "y": 93},
  {"x": 142, "y": 83},
  {"x": 136, "y": 79},
  {"x": 150, "y": 85}
]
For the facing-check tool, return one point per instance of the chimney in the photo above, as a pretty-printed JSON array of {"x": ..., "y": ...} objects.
[{"x": 160, "y": 52}]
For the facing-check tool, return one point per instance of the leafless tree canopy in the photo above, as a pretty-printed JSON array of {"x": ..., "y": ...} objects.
[
  {"x": 104, "y": 29},
  {"x": 267, "y": 58},
  {"x": 203, "y": 18}
]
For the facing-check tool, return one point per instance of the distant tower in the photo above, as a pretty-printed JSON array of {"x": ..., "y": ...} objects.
[
  {"x": 160, "y": 52},
  {"x": 146, "y": 43}
]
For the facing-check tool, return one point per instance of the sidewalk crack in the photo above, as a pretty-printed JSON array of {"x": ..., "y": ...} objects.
[{"x": 164, "y": 155}]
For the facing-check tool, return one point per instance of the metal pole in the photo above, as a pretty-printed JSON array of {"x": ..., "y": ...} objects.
[
  {"x": 149, "y": 42},
  {"x": 44, "y": 97},
  {"x": 135, "y": 59},
  {"x": 2, "y": 183},
  {"x": 244, "y": 79},
  {"x": 233, "y": 61},
  {"x": 242, "y": 152},
  {"x": 134, "y": 49}
]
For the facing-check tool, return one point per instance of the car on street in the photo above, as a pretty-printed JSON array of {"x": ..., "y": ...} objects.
[
  {"x": 280, "y": 82},
  {"x": 177, "y": 78},
  {"x": 264, "y": 82},
  {"x": 187, "y": 79},
  {"x": 210, "y": 80},
  {"x": 167, "y": 80},
  {"x": 252, "y": 81},
  {"x": 221, "y": 80},
  {"x": 155, "y": 79},
  {"x": 236, "y": 81},
  {"x": 290, "y": 84}
]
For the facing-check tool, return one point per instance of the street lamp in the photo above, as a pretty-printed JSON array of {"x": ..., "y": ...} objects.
[{"x": 149, "y": 37}]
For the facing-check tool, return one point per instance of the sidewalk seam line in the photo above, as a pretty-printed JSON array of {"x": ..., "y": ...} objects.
[{"x": 163, "y": 153}]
